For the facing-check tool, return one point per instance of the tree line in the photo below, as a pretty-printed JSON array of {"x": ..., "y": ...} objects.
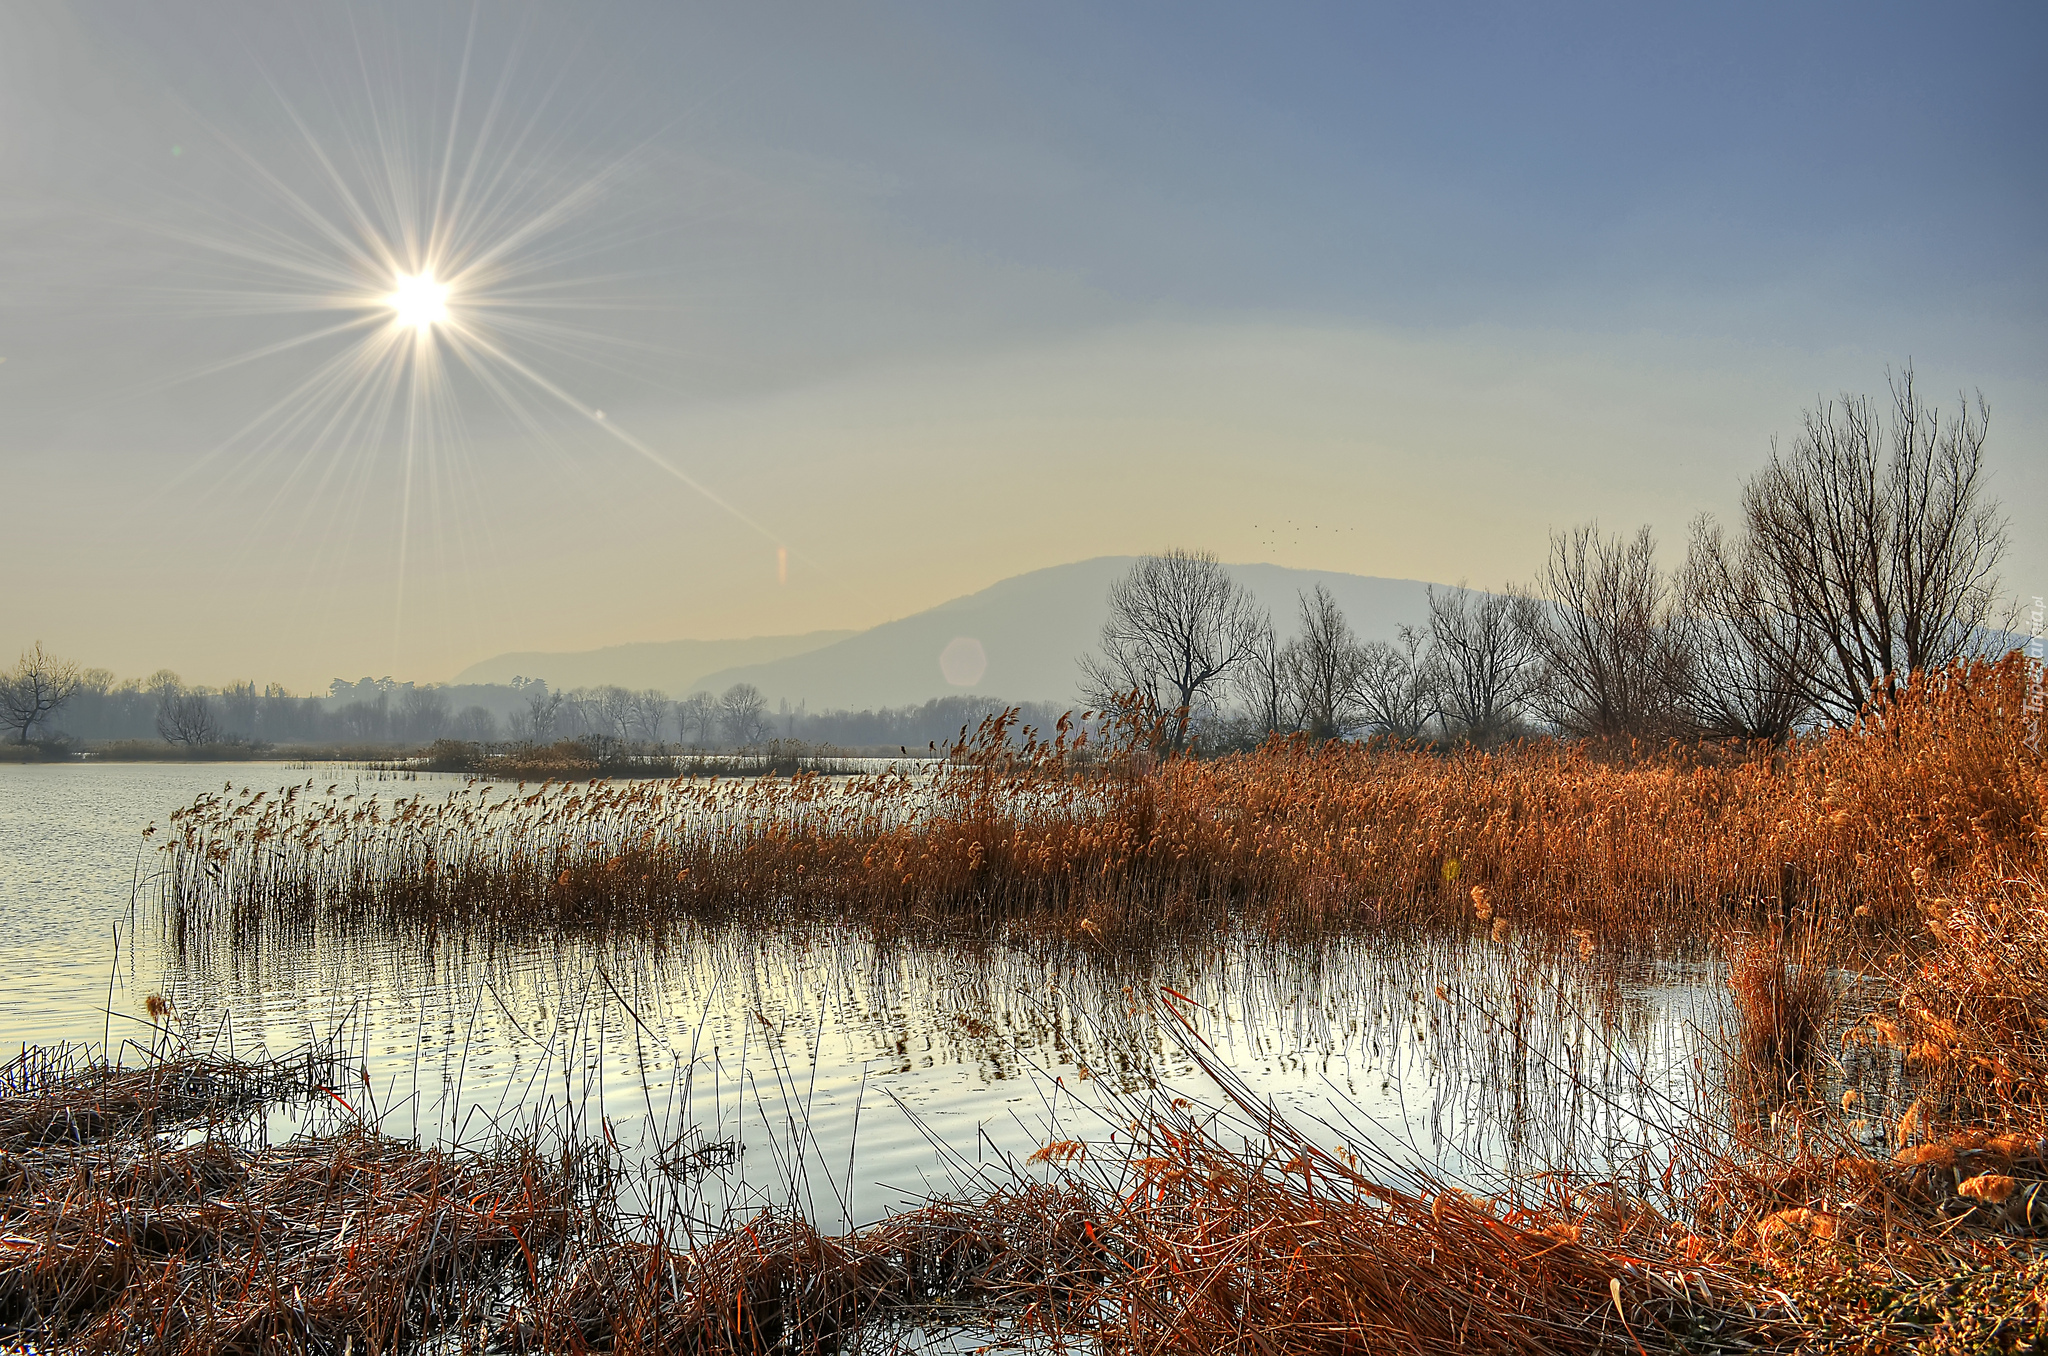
[
  {"x": 54, "y": 701},
  {"x": 1864, "y": 551},
  {"x": 740, "y": 718}
]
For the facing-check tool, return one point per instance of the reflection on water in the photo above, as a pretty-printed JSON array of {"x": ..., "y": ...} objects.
[{"x": 849, "y": 1075}]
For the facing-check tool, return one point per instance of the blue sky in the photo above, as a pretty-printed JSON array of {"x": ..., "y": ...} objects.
[{"x": 929, "y": 295}]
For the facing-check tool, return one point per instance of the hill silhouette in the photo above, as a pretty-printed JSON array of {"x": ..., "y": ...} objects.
[
  {"x": 676, "y": 667},
  {"x": 1019, "y": 639}
]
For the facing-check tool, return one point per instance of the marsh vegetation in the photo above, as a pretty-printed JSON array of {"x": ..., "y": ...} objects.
[{"x": 1853, "y": 1157}]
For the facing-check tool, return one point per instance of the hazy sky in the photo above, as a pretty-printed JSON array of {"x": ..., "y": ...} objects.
[{"x": 883, "y": 303}]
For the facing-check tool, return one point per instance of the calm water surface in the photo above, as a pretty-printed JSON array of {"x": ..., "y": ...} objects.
[{"x": 821, "y": 1064}]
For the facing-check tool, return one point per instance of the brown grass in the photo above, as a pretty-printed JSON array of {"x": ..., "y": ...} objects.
[
  {"x": 1162, "y": 1240},
  {"x": 1160, "y": 1237}
]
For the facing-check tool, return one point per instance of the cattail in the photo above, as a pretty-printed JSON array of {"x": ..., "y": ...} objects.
[{"x": 1989, "y": 1187}]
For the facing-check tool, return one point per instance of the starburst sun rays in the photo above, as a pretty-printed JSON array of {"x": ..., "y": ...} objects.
[{"x": 418, "y": 282}]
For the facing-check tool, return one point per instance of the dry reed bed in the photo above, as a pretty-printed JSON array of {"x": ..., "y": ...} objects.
[
  {"x": 119, "y": 1234},
  {"x": 1005, "y": 838}
]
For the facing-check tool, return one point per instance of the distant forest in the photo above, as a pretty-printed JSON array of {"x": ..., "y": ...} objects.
[{"x": 383, "y": 713}]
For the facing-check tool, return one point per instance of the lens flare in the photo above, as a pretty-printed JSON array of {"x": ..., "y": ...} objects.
[
  {"x": 433, "y": 263},
  {"x": 418, "y": 302}
]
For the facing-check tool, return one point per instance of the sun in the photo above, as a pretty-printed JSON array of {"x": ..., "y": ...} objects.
[
  {"x": 438, "y": 267},
  {"x": 418, "y": 302}
]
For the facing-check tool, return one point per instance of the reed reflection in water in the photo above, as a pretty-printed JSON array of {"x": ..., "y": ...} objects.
[{"x": 822, "y": 1066}]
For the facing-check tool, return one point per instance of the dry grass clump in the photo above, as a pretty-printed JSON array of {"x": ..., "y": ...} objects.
[
  {"x": 56, "y": 1095},
  {"x": 1888, "y": 1254},
  {"x": 774, "y": 1283},
  {"x": 305, "y": 1246},
  {"x": 1289, "y": 1247},
  {"x": 1971, "y": 1013},
  {"x": 1781, "y": 1012},
  {"x": 119, "y": 1236}
]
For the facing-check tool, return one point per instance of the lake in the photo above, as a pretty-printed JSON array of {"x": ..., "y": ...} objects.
[{"x": 820, "y": 1065}]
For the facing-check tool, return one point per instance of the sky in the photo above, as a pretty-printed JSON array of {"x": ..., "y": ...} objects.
[{"x": 881, "y": 304}]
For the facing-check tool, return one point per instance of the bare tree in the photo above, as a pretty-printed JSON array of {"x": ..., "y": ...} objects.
[
  {"x": 185, "y": 717},
  {"x": 476, "y": 725},
  {"x": 650, "y": 712},
  {"x": 367, "y": 722},
  {"x": 536, "y": 724},
  {"x": 36, "y": 690},
  {"x": 1749, "y": 665},
  {"x": 1396, "y": 685},
  {"x": 699, "y": 712},
  {"x": 239, "y": 710},
  {"x": 1485, "y": 666},
  {"x": 1603, "y": 628},
  {"x": 744, "y": 713},
  {"x": 1876, "y": 531},
  {"x": 612, "y": 712},
  {"x": 1260, "y": 684},
  {"x": 423, "y": 712},
  {"x": 1323, "y": 665},
  {"x": 1178, "y": 626}
]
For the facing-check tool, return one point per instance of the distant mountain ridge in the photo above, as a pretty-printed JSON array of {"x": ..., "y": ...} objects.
[
  {"x": 1018, "y": 639},
  {"x": 676, "y": 667}
]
